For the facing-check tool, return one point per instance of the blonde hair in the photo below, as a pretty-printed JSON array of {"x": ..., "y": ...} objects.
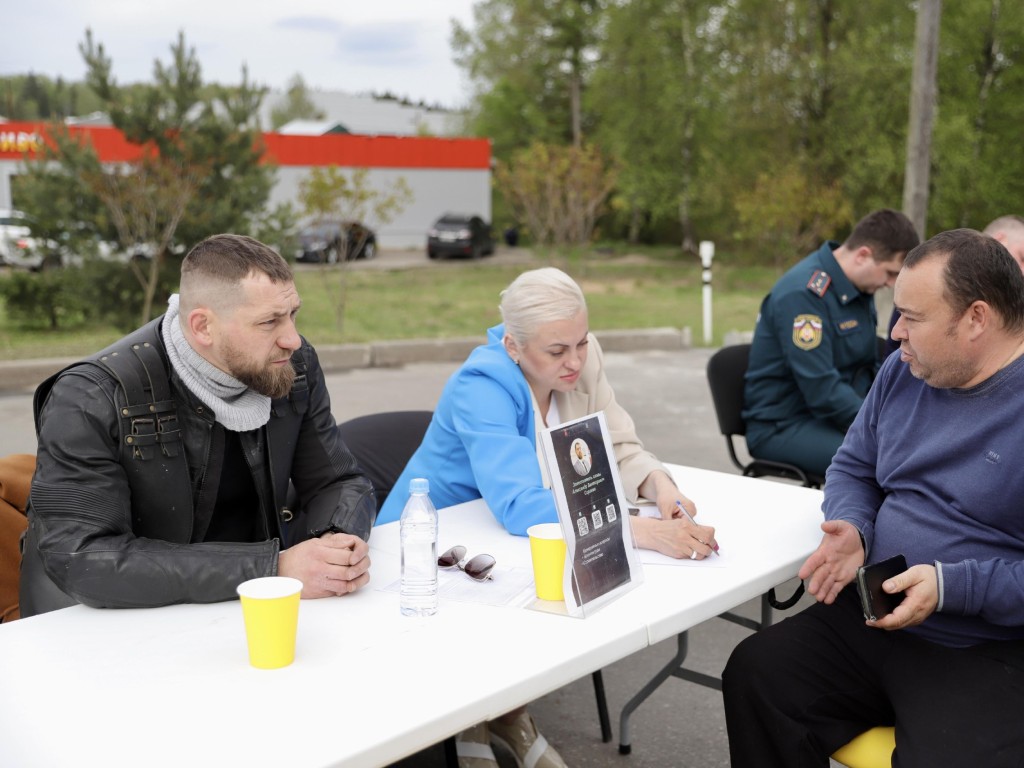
[{"x": 538, "y": 297}]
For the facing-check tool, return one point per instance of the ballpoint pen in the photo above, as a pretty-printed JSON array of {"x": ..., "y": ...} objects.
[{"x": 689, "y": 517}]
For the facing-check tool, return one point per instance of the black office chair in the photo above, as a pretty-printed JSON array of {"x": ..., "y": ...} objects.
[
  {"x": 726, "y": 371},
  {"x": 383, "y": 443}
]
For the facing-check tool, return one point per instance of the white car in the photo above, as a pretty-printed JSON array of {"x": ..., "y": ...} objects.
[{"x": 17, "y": 246}]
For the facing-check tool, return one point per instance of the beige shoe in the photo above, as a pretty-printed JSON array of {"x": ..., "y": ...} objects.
[
  {"x": 473, "y": 747},
  {"x": 528, "y": 747}
]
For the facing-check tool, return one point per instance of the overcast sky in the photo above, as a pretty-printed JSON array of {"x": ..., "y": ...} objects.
[{"x": 355, "y": 46}]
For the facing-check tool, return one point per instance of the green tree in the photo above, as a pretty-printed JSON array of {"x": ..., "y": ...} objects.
[
  {"x": 558, "y": 192},
  {"x": 297, "y": 106},
  {"x": 815, "y": 88},
  {"x": 529, "y": 62},
  {"x": 980, "y": 113},
  {"x": 36, "y": 97},
  {"x": 53, "y": 190},
  {"x": 655, "y": 99},
  {"x": 146, "y": 201},
  {"x": 791, "y": 212},
  {"x": 331, "y": 193},
  {"x": 44, "y": 300},
  {"x": 277, "y": 228},
  {"x": 213, "y": 127},
  {"x": 199, "y": 171},
  {"x": 137, "y": 205}
]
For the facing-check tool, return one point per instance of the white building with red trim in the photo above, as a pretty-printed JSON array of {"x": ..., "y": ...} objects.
[{"x": 444, "y": 174}]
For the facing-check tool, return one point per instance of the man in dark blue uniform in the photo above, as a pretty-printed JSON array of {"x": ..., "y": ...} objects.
[{"x": 815, "y": 352}]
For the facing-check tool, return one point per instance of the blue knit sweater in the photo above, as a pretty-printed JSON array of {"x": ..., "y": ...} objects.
[{"x": 935, "y": 474}]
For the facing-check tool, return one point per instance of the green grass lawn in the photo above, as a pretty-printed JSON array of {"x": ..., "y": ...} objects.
[{"x": 454, "y": 298}]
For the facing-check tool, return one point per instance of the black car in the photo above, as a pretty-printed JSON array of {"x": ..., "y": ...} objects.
[
  {"x": 458, "y": 235},
  {"x": 324, "y": 242}
]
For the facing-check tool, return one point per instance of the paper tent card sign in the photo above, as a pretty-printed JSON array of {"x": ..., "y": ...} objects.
[{"x": 601, "y": 558}]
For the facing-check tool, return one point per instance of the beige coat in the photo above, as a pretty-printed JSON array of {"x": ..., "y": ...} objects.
[{"x": 593, "y": 393}]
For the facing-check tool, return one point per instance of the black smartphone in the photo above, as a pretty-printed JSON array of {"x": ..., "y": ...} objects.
[{"x": 875, "y": 602}]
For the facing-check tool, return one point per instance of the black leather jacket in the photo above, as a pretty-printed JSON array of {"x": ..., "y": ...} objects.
[{"x": 89, "y": 540}]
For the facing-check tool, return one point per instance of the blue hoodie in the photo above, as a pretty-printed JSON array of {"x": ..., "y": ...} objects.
[{"x": 482, "y": 443}]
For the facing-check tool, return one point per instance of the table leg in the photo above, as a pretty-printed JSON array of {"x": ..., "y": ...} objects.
[
  {"x": 602, "y": 707},
  {"x": 663, "y": 674},
  {"x": 451, "y": 755}
]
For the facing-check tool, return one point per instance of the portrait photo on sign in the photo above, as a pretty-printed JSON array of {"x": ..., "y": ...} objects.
[{"x": 580, "y": 456}]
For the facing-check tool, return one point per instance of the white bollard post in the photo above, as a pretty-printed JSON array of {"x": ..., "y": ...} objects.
[{"x": 707, "y": 253}]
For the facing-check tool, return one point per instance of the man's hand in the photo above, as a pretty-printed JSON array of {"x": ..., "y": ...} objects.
[
  {"x": 334, "y": 564},
  {"x": 921, "y": 583},
  {"x": 834, "y": 563}
]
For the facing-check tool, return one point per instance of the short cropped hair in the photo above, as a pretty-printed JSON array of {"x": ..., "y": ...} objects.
[
  {"x": 213, "y": 270},
  {"x": 538, "y": 297},
  {"x": 886, "y": 232},
  {"x": 978, "y": 268},
  {"x": 1011, "y": 224}
]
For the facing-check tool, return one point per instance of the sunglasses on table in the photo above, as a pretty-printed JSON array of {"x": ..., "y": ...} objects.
[{"x": 477, "y": 568}]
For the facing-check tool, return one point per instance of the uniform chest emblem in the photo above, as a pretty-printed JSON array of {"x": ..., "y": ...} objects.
[{"x": 807, "y": 331}]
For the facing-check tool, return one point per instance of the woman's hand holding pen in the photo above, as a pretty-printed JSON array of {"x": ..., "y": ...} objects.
[
  {"x": 678, "y": 538},
  {"x": 704, "y": 534},
  {"x": 673, "y": 505},
  {"x": 677, "y": 534}
]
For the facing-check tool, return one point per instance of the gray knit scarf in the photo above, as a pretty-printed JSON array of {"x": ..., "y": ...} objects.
[{"x": 234, "y": 405}]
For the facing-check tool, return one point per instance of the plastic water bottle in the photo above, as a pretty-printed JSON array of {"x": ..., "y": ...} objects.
[{"x": 419, "y": 551}]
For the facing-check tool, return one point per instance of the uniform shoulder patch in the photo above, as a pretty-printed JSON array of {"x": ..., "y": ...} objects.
[
  {"x": 819, "y": 283},
  {"x": 806, "y": 331}
]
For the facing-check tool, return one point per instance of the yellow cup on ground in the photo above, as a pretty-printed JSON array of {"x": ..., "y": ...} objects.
[
  {"x": 547, "y": 545},
  {"x": 270, "y": 606}
]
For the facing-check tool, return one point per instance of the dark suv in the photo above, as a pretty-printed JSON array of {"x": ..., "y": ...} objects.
[
  {"x": 459, "y": 235},
  {"x": 324, "y": 242}
]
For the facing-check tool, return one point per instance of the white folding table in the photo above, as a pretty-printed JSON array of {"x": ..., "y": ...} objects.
[{"x": 172, "y": 686}]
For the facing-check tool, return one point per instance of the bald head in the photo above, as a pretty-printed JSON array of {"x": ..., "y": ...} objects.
[{"x": 1009, "y": 230}]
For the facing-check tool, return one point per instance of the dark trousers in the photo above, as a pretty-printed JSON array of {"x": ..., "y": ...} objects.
[
  {"x": 809, "y": 445},
  {"x": 798, "y": 690}
]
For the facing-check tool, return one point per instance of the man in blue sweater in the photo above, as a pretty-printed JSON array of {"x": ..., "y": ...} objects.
[{"x": 930, "y": 469}]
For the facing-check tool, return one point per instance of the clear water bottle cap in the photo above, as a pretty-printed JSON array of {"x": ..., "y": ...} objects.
[{"x": 419, "y": 485}]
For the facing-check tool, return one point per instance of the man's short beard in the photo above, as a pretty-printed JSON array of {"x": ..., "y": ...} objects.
[{"x": 272, "y": 382}]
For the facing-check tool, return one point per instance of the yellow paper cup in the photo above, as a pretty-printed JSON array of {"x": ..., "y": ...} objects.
[
  {"x": 270, "y": 606},
  {"x": 547, "y": 545}
]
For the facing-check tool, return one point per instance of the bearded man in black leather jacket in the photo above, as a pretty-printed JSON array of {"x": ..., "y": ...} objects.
[{"x": 165, "y": 461}]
